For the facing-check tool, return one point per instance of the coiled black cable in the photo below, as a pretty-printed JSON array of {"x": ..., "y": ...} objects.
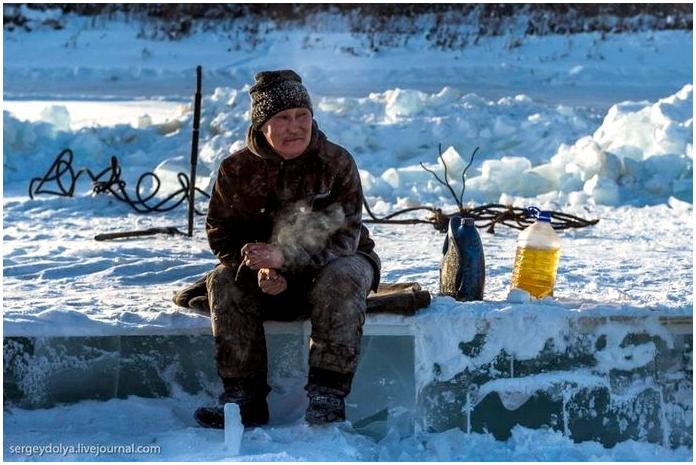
[
  {"x": 485, "y": 216},
  {"x": 62, "y": 168}
]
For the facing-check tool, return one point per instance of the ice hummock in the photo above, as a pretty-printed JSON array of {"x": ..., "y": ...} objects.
[{"x": 616, "y": 164}]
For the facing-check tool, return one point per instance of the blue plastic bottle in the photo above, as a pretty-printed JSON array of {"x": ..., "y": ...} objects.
[{"x": 463, "y": 267}]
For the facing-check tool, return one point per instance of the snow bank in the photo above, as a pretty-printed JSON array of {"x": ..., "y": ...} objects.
[
  {"x": 29, "y": 148},
  {"x": 642, "y": 152}
]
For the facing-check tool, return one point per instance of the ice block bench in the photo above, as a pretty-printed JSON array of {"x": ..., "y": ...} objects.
[{"x": 44, "y": 371}]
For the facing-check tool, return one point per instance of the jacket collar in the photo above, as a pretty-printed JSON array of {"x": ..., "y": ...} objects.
[{"x": 257, "y": 144}]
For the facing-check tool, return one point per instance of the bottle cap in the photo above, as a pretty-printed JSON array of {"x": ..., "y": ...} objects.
[
  {"x": 468, "y": 221},
  {"x": 544, "y": 216},
  {"x": 534, "y": 212}
]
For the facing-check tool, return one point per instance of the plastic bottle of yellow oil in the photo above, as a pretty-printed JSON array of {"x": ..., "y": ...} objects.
[{"x": 536, "y": 260}]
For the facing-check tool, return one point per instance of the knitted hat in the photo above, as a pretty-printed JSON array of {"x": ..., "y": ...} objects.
[{"x": 275, "y": 91}]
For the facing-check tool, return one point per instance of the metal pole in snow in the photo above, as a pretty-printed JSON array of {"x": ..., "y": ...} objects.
[{"x": 194, "y": 150}]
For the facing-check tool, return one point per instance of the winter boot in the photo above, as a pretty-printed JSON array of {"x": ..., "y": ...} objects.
[
  {"x": 327, "y": 391},
  {"x": 325, "y": 406},
  {"x": 200, "y": 305},
  {"x": 210, "y": 417},
  {"x": 253, "y": 414},
  {"x": 198, "y": 289},
  {"x": 249, "y": 395}
]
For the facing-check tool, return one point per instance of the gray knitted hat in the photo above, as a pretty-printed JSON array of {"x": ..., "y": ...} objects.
[{"x": 275, "y": 91}]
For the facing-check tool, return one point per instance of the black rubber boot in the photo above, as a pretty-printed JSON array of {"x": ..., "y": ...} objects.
[
  {"x": 200, "y": 305},
  {"x": 198, "y": 289},
  {"x": 210, "y": 417},
  {"x": 254, "y": 413},
  {"x": 249, "y": 394},
  {"x": 327, "y": 391},
  {"x": 325, "y": 406}
]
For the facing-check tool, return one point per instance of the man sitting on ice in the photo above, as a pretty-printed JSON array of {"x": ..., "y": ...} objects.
[{"x": 285, "y": 222}]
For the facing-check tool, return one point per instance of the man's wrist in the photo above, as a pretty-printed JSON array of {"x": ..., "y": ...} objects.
[{"x": 278, "y": 257}]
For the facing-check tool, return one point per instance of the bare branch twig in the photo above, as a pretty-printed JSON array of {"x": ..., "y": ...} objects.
[
  {"x": 485, "y": 216},
  {"x": 446, "y": 184},
  {"x": 446, "y": 181},
  {"x": 471, "y": 160}
]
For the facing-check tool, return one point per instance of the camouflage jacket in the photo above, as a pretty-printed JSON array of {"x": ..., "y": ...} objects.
[{"x": 309, "y": 206}]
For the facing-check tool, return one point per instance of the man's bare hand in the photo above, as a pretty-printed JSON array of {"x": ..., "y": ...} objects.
[
  {"x": 271, "y": 282},
  {"x": 258, "y": 255}
]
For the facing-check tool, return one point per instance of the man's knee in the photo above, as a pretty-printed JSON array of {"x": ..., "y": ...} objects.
[
  {"x": 220, "y": 276},
  {"x": 338, "y": 306},
  {"x": 230, "y": 301},
  {"x": 344, "y": 277}
]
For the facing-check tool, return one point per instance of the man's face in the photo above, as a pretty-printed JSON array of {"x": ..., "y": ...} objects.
[{"x": 289, "y": 132}]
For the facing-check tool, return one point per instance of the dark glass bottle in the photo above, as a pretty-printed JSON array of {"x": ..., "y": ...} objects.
[{"x": 463, "y": 267}]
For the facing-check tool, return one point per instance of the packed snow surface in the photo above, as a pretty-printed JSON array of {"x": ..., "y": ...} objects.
[
  {"x": 596, "y": 126},
  {"x": 59, "y": 281},
  {"x": 166, "y": 428}
]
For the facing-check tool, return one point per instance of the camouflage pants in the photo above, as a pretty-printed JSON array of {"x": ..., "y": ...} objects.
[{"x": 334, "y": 300}]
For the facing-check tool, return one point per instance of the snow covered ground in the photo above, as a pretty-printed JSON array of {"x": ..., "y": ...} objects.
[
  {"x": 59, "y": 281},
  {"x": 167, "y": 423},
  {"x": 553, "y": 129}
]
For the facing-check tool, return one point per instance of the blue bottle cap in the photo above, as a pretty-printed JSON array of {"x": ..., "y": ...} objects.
[
  {"x": 534, "y": 212},
  {"x": 544, "y": 216}
]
